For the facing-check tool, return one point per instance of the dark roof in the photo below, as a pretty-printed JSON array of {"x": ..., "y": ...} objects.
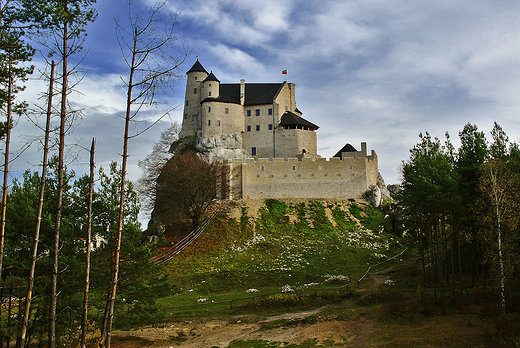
[
  {"x": 211, "y": 77},
  {"x": 256, "y": 93},
  {"x": 291, "y": 119},
  {"x": 261, "y": 93},
  {"x": 197, "y": 67},
  {"x": 346, "y": 148}
]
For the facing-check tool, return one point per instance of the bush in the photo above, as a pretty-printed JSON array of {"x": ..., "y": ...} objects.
[{"x": 277, "y": 301}]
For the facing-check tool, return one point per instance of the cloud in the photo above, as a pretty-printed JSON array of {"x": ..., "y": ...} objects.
[
  {"x": 246, "y": 22},
  {"x": 375, "y": 71},
  {"x": 236, "y": 60}
]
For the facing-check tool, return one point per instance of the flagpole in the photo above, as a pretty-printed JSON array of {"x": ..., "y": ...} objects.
[{"x": 284, "y": 72}]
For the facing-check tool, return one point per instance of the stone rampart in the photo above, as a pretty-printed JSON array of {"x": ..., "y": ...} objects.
[{"x": 308, "y": 178}]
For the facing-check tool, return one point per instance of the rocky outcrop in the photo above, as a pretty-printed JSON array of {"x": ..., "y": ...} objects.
[
  {"x": 377, "y": 194},
  {"x": 226, "y": 146},
  {"x": 373, "y": 196}
]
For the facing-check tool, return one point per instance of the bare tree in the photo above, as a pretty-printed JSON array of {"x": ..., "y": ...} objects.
[
  {"x": 64, "y": 21},
  {"x": 30, "y": 285},
  {"x": 188, "y": 187},
  {"x": 84, "y": 322},
  {"x": 146, "y": 45}
]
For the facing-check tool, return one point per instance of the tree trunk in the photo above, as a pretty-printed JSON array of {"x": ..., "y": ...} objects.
[
  {"x": 5, "y": 182},
  {"x": 59, "y": 199},
  {"x": 84, "y": 321},
  {"x": 122, "y": 195},
  {"x": 6, "y": 170},
  {"x": 25, "y": 322}
]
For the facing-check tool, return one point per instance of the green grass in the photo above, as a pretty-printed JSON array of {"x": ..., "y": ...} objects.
[{"x": 270, "y": 252}]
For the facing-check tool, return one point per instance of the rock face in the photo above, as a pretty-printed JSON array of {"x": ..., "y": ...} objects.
[
  {"x": 373, "y": 195},
  {"x": 377, "y": 194},
  {"x": 226, "y": 146},
  {"x": 223, "y": 147}
]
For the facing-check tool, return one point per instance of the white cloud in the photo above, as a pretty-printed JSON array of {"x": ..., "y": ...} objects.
[{"x": 236, "y": 59}]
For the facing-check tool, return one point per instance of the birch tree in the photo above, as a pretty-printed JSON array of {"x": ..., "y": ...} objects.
[{"x": 498, "y": 214}]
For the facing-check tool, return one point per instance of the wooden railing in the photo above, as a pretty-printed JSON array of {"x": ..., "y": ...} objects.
[{"x": 183, "y": 243}]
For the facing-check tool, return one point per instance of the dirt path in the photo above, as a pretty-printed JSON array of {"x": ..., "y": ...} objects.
[{"x": 353, "y": 332}]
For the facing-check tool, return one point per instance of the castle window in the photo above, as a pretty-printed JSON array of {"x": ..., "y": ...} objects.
[
  {"x": 186, "y": 103},
  {"x": 209, "y": 94},
  {"x": 218, "y": 123},
  {"x": 209, "y": 108},
  {"x": 270, "y": 111},
  {"x": 248, "y": 112},
  {"x": 257, "y": 127},
  {"x": 226, "y": 111},
  {"x": 209, "y": 122},
  {"x": 350, "y": 167},
  {"x": 253, "y": 151},
  {"x": 194, "y": 91},
  {"x": 293, "y": 167},
  {"x": 185, "y": 116},
  {"x": 210, "y": 84},
  {"x": 249, "y": 128},
  {"x": 257, "y": 112},
  {"x": 270, "y": 127},
  {"x": 262, "y": 168},
  {"x": 196, "y": 77}
]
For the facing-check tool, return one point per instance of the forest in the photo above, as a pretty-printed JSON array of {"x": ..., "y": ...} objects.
[
  {"x": 72, "y": 249},
  {"x": 61, "y": 235},
  {"x": 459, "y": 208}
]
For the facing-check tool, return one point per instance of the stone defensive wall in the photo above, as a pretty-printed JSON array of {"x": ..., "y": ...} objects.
[{"x": 308, "y": 178}]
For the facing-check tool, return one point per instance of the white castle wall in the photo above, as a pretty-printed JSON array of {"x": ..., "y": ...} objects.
[
  {"x": 291, "y": 142},
  {"x": 309, "y": 178},
  {"x": 216, "y": 122}
]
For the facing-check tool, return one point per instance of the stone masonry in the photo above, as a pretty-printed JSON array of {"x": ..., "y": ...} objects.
[{"x": 269, "y": 150}]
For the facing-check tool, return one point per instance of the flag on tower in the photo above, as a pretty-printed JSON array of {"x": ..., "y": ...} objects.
[{"x": 284, "y": 72}]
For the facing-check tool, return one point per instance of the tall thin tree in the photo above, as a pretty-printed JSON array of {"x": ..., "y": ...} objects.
[
  {"x": 14, "y": 54},
  {"x": 65, "y": 20},
  {"x": 84, "y": 321},
  {"x": 146, "y": 46},
  {"x": 28, "y": 297}
]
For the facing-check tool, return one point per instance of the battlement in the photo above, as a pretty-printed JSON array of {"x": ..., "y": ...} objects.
[{"x": 347, "y": 177}]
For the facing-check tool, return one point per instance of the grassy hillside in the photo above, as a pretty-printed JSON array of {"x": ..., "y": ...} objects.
[
  {"x": 314, "y": 248},
  {"x": 305, "y": 245}
]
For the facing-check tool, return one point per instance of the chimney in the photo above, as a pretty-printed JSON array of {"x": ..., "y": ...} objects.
[{"x": 242, "y": 91}]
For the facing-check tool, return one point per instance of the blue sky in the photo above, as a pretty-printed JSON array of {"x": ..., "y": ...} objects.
[{"x": 374, "y": 71}]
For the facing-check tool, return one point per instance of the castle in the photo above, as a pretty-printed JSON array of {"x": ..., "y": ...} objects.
[{"x": 269, "y": 149}]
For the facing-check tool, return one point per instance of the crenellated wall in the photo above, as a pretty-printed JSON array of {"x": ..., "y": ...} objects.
[{"x": 307, "y": 178}]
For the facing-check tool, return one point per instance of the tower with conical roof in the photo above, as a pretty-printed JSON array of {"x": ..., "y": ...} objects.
[
  {"x": 191, "y": 121},
  {"x": 210, "y": 87}
]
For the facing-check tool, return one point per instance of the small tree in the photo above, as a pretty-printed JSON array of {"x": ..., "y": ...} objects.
[
  {"x": 153, "y": 164},
  {"x": 187, "y": 187}
]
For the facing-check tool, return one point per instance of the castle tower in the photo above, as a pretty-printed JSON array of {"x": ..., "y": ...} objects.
[
  {"x": 210, "y": 87},
  {"x": 191, "y": 121}
]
